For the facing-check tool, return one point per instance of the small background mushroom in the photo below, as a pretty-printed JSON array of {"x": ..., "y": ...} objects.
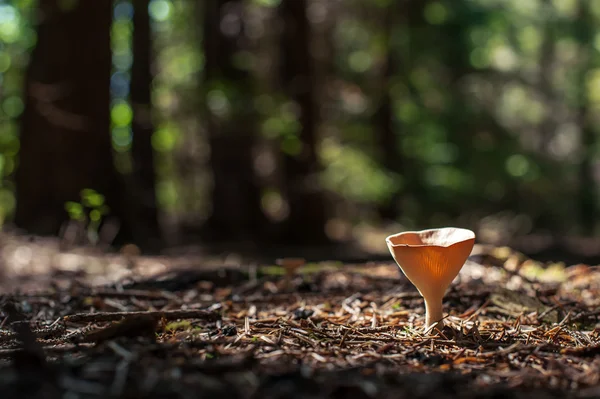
[{"x": 291, "y": 266}]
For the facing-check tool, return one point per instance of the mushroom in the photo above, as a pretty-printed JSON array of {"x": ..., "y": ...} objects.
[
  {"x": 431, "y": 259},
  {"x": 291, "y": 266}
]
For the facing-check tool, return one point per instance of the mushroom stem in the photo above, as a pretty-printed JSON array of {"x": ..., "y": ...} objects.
[{"x": 433, "y": 313}]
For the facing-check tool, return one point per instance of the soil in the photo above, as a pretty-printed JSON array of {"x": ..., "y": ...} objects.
[{"x": 81, "y": 325}]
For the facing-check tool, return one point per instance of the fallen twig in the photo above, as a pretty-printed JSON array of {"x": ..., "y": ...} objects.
[{"x": 167, "y": 315}]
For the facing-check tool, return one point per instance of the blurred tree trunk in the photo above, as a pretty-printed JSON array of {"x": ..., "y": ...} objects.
[
  {"x": 65, "y": 127},
  {"x": 392, "y": 157},
  {"x": 231, "y": 123},
  {"x": 588, "y": 199},
  {"x": 141, "y": 150},
  {"x": 400, "y": 20},
  {"x": 547, "y": 55},
  {"x": 307, "y": 213}
]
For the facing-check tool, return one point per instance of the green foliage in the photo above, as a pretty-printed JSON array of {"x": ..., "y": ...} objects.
[
  {"x": 75, "y": 210},
  {"x": 17, "y": 38},
  {"x": 281, "y": 123},
  {"x": 90, "y": 210},
  {"x": 487, "y": 98},
  {"x": 350, "y": 172},
  {"x": 181, "y": 325}
]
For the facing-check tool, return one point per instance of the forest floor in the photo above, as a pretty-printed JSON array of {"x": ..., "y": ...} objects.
[{"x": 88, "y": 325}]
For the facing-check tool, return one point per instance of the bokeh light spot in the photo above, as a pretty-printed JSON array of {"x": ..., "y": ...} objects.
[
  {"x": 121, "y": 114},
  {"x": 122, "y": 138},
  {"x": 218, "y": 102},
  {"x": 165, "y": 138},
  {"x": 10, "y": 24},
  {"x": 435, "y": 13},
  {"x": 517, "y": 165},
  {"x": 123, "y": 10},
  {"x": 159, "y": 10},
  {"x": 360, "y": 61},
  {"x": 13, "y": 106}
]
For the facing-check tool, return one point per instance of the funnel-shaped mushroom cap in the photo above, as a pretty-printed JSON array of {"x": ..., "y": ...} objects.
[{"x": 431, "y": 259}]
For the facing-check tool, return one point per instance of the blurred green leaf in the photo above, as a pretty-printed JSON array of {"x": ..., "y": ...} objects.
[
  {"x": 91, "y": 198},
  {"x": 75, "y": 210}
]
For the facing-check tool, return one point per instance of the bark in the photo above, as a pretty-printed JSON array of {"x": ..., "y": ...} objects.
[
  {"x": 307, "y": 213},
  {"x": 392, "y": 157},
  {"x": 142, "y": 152},
  {"x": 588, "y": 198},
  {"x": 65, "y": 139},
  {"x": 236, "y": 196}
]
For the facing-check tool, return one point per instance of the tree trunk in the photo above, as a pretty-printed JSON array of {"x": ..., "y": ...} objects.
[
  {"x": 231, "y": 122},
  {"x": 588, "y": 198},
  {"x": 307, "y": 214},
  {"x": 141, "y": 150},
  {"x": 384, "y": 120},
  {"x": 65, "y": 140}
]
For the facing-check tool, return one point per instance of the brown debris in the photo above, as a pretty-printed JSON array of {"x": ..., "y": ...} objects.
[
  {"x": 132, "y": 326},
  {"x": 348, "y": 331}
]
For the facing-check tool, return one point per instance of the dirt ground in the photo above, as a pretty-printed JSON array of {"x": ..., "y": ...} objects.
[{"x": 87, "y": 325}]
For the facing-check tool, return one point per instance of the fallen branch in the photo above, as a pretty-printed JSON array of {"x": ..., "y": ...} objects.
[
  {"x": 166, "y": 314},
  {"x": 135, "y": 326}
]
